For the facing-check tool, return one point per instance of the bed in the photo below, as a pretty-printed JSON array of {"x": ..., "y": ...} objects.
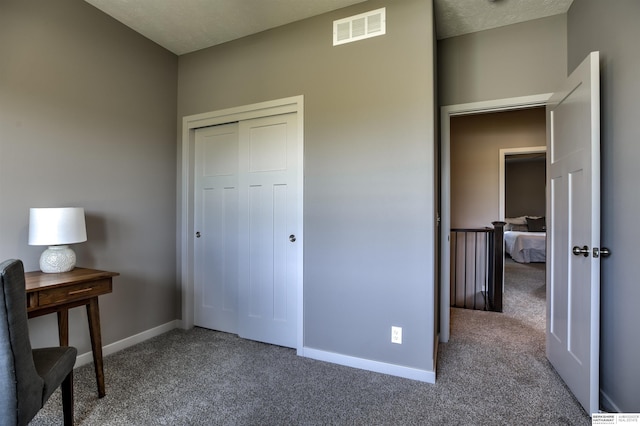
[
  {"x": 526, "y": 247},
  {"x": 525, "y": 239}
]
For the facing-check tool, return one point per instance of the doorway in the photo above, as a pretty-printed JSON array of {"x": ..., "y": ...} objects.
[
  {"x": 523, "y": 197},
  {"x": 511, "y": 144},
  {"x": 447, "y": 113}
]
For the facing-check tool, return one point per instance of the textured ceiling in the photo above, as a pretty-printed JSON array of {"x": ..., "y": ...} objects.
[
  {"x": 183, "y": 26},
  {"x": 457, "y": 17}
]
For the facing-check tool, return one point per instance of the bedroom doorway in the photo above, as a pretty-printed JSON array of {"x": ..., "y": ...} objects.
[
  {"x": 523, "y": 203},
  {"x": 492, "y": 211},
  {"x": 511, "y": 144}
]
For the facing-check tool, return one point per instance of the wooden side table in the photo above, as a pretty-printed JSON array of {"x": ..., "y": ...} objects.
[{"x": 48, "y": 293}]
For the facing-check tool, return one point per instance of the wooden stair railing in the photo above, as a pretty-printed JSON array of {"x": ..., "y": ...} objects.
[{"x": 477, "y": 267}]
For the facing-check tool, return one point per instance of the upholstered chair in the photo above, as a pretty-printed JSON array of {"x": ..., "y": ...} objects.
[{"x": 28, "y": 376}]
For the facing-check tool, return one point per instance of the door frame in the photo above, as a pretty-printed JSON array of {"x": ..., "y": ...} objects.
[
  {"x": 446, "y": 112},
  {"x": 186, "y": 179}
]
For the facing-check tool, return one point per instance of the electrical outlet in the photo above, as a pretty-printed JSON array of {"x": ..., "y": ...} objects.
[{"x": 396, "y": 334}]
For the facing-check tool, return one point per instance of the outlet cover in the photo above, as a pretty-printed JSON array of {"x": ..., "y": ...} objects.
[{"x": 396, "y": 334}]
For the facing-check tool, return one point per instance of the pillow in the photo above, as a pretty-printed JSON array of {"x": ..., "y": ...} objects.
[
  {"x": 516, "y": 227},
  {"x": 536, "y": 224},
  {"x": 521, "y": 220}
]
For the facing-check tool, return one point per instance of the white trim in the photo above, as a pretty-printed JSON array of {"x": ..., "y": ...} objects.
[
  {"x": 428, "y": 376},
  {"x": 502, "y": 156},
  {"x": 446, "y": 112},
  {"x": 127, "y": 342},
  {"x": 185, "y": 194}
]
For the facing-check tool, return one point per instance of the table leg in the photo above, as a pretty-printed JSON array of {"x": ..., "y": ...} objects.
[
  {"x": 93, "y": 312},
  {"x": 63, "y": 327}
]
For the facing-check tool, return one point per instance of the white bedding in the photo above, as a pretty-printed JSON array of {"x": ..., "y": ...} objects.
[{"x": 526, "y": 247}]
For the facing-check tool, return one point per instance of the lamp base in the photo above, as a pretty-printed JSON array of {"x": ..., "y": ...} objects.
[{"x": 57, "y": 259}]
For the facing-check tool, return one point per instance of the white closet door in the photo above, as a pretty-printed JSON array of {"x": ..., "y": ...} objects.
[
  {"x": 216, "y": 226},
  {"x": 269, "y": 240}
]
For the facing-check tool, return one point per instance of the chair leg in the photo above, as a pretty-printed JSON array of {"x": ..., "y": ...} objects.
[{"x": 67, "y": 399}]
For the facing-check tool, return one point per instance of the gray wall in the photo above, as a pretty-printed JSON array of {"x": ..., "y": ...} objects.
[
  {"x": 612, "y": 28},
  {"x": 88, "y": 118},
  {"x": 369, "y": 169},
  {"x": 476, "y": 141},
  {"x": 525, "y": 183},
  {"x": 517, "y": 60}
]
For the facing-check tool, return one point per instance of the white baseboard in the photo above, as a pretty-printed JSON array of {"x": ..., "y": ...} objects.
[
  {"x": 114, "y": 347},
  {"x": 427, "y": 376},
  {"x": 369, "y": 365}
]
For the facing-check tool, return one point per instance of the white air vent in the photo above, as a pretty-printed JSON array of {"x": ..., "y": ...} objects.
[{"x": 358, "y": 27}]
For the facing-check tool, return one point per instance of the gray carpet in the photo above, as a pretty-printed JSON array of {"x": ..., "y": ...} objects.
[
  {"x": 492, "y": 372},
  {"x": 525, "y": 292}
]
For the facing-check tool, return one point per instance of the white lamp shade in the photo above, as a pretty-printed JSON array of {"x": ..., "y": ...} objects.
[{"x": 55, "y": 226}]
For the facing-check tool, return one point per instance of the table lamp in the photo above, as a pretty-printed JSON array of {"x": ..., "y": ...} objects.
[{"x": 57, "y": 227}]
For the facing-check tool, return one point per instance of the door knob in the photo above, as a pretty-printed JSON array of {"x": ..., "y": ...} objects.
[
  {"x": 292, "y": 238},
  {"x": 581, "y": 251},
  {"x": 198, "y": 234}
]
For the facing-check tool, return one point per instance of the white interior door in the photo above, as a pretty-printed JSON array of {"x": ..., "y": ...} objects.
[
  {"x": 216, "y": 225},
  {"x": 270, "y": 235},
  {"x": 573, "y": 280}
]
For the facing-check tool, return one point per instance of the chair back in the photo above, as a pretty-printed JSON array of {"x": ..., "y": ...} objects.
[{"x": 20, "y": 385}]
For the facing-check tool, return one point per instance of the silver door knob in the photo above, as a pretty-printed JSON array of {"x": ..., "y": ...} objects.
[
  {"x": 581, "y": 251},
  {"x": 292, "y": 238}
]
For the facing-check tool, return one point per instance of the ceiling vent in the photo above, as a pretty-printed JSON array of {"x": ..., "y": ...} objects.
[{"x": 359, "y": 27}]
